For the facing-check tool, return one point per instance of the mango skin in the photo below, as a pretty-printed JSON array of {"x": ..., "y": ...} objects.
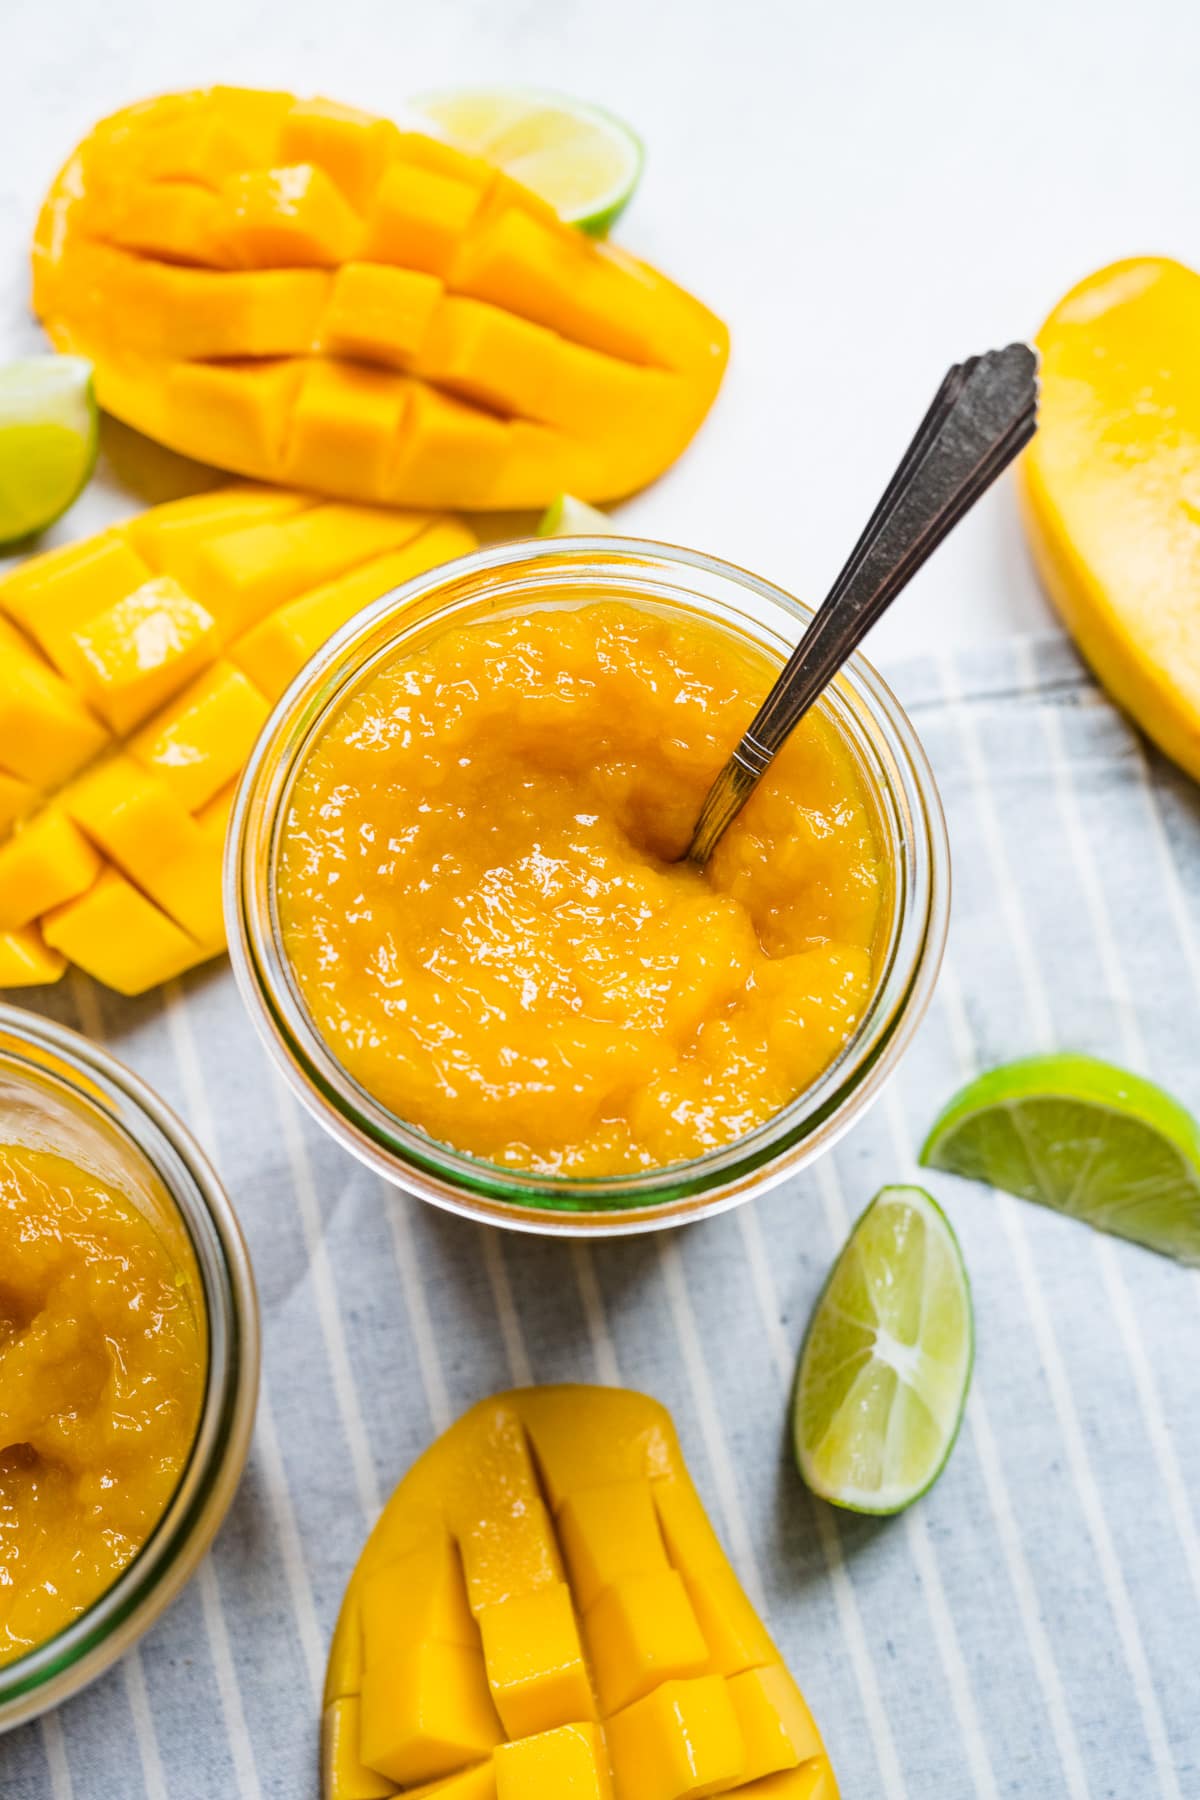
[
  {"x": 1110, "y": 488},
  {"x": 523, "y": 1532},
  {"x": 136, "y": 670},
  {"x": 303, "y": 293}
]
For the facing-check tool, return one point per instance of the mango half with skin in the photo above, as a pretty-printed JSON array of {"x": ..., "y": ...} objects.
[
  {"x": 1111, "y": 488},
  {"x": 307, "y": 294},
  {"x": 136, "y": 669},
  {"x": 543, "y": 1611}
]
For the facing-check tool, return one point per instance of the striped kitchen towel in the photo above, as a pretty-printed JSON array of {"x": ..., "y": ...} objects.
[{"x": 1032, "y": 1627}]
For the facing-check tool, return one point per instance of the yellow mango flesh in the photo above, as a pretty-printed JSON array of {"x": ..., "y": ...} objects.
[
  {"x": 543, "y": 1611},
  {"x": 303, "y": 293},
  {"x": 1111, "y": 488},
  {"x": 136, "y": 670}
]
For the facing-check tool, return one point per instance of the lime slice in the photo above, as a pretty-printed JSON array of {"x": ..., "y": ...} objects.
[
  {"x": 580, "y": 159},
  {"x": 49, "y": 431},
  {"x": 1082, "y": 1137},
  {"x": 569, "y": 517},
  {"x": 886, "y": 1363}
]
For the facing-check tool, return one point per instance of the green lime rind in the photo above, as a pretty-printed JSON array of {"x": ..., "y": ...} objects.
[
  {"x": 1084, "y": 1138},
  {"x": 598, "y": 216},
  {"x": 882, "y": 1378},
  {"x": 598, "y": 224},
  {"x": 49, "y": 441},
  {"x": 579, "y": 157},
  {"x": 568, "y": 517}
]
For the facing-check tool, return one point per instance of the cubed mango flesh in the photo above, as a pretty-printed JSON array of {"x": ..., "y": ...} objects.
[
  {"x": 190, "y": 313},
  {"x": 423, "y": 1590},
  {"x": 378, "y": 314},
  {"x": 608, "y": 1532},
  {"x": 508, "y": 1553},
  {"x": 50, "y": 596},
  {"x": 170, "y": 220},
  {"x": 345, "y": 424},
  {"x": 46, "y": 861},
  {"x": 776, "y": 1725},
  {"x": 251, "y": 273},
  {"x": 812, "y": 1781},
  {"x": 168, "y": 537},
  {"x": 477, "y": 1783},
  {"x": 569, "y": 1763},
  {"x": 26, "y": 960},
  {"x": 534, "y": 1661},
  {"x": 128, "y": 659},
  {"x": 680, "y": 1742},
  {"x": 514, "y": 1689},
  {"x": 201, "y": 739},
  {"x": 285, "y": 218},
  {"x": 504, "y": 1530},
  {"x": 245, "y": 573},
  {"x": 134, "y": 818},
  {"x": 120, "y": 936},
  {"x": 640, "y": 1631},
  {"x": 17, "y": 797},
  {"x": 136, "y": 670},
  {"x": 426, "y": 1711},
  {"x": 342, "y": 1768},
  {"x": 238, "y": 410},
  {"x": 732, "y": 1629},
  {"x": 47, "y": 731},
  {"x": 275, "y": 650},
  {"x": 352, "y": 147}
]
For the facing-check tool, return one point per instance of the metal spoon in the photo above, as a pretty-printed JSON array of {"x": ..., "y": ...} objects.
[{"x": 984, "y": 412}]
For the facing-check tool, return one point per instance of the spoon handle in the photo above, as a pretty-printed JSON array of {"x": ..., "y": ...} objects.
[{"x": 984, "y": 412}]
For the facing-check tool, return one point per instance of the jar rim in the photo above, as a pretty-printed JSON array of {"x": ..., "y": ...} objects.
[
  {"x": 86, "y": 1073},
  {"x": 520, "y": 576}
]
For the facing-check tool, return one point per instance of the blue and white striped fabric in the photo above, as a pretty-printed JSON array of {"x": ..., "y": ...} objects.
[{"x": 1033, "y": 1626}]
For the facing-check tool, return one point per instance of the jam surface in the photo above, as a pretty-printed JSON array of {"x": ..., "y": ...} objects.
[
  {"x": 102, "y": 1371},
  {"x": 481, "y": 905}
]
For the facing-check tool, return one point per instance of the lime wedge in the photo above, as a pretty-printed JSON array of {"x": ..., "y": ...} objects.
[
  {"x": 569, "y": 517},
  {"x": 1085, "y": 1138},
  {"x": 886, "y": 1363},
  {"x": 580, "y": 159},
  {"x": 49, "y": 431}
]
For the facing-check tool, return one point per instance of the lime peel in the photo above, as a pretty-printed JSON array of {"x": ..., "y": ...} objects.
[
  {"x": 1082, "y": 1137},
  {"x": 883, "y": 1374},
  {"x": 49, "y": 438},
  {"x": 568, "y": 517},
  {"x": 579, "y": 158}
]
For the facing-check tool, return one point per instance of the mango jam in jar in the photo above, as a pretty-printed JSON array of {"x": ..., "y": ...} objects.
[
  {"x": 102, "y": 1373},
  {"x": 128, "y": 1360},
  {"x": 481, "y": 901}
]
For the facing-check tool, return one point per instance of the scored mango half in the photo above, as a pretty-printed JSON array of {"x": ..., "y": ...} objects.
[
  {"x": 544, "y": 1611},
  {"x": 1111, "y": 488},
  {"x": 136, "y": 669},
  {"x": 307, "y": 294}
]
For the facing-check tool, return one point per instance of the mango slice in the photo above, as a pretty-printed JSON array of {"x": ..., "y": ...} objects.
[
  {"x": 544, "y": 1610},
  {"x": 1111, "y": 488},
  {"x": 136, "y": 670},
  {"x": 303, "y": 293}
]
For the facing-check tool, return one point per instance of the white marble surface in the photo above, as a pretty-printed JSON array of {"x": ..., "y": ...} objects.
[{"x": 866, "y": 192}]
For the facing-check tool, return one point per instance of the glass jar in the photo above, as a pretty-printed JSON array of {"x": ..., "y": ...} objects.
[
  {"x": 59, "y": 1092},
  {"x": 511, "y": 579}
]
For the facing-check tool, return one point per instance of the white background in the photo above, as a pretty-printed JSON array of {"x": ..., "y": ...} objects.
[{"x": 865, "y": 192}]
